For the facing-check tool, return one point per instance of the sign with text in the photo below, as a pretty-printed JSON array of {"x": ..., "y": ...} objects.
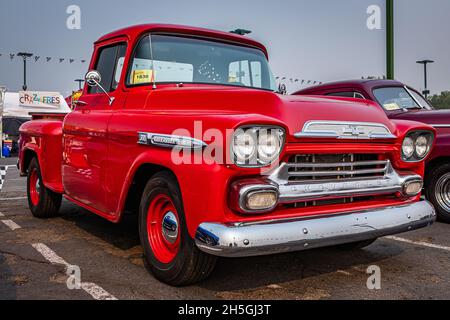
[{"x": 40, "y": 99}]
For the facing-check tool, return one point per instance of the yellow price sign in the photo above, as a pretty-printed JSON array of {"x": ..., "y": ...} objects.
[{"x": 143, "y": 76}]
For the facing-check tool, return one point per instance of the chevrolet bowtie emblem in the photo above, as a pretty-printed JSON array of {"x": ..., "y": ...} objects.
[{"x": 353, "y": 131}]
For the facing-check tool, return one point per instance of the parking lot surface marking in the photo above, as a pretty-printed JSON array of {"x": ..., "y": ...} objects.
[
  {"x": 11, "y": 224},
  {"x": 419, "y": 243},
  {"x": 94, "y": 290},
  {"x": 11, "y": 199},
  {"x": 3, "y": 170}
]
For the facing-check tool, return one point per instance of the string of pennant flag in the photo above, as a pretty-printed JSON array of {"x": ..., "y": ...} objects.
[
  {"x": 37, "y": 58},
  {"x": 299, "y": 81}
]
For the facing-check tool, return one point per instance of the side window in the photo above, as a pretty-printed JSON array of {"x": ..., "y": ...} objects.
[
  {"x": 110, "y": 65},
  {"x": 346, "y": 94}
]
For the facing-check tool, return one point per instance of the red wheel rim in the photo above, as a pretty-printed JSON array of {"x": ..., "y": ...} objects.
[
  {"x": 163, "y": 228},
  {"x": 35, "y": 187}
]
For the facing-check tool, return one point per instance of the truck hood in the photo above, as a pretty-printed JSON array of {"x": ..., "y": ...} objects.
[
  {"x": 432, "y": 117},
  {"x": 292, "y": 111}
]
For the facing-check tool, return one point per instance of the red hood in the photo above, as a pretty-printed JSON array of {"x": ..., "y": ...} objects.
[
  {"x": 293, "y": 111},
  {"x": 431, "y": 117}
]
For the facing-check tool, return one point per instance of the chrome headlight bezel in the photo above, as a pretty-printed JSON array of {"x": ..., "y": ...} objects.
[
  {"x": 260, "y": 157},
  {"x": 415, "y": 136}
]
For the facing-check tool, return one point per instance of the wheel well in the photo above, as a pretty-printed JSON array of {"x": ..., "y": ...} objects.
[
  {"x": 140, "y": 179},
  {"x": 28, "y": 156},
  {"x": 435, "y": 163}
]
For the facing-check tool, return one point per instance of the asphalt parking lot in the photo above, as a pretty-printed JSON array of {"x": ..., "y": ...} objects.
[{"x": 36, "y": 254}]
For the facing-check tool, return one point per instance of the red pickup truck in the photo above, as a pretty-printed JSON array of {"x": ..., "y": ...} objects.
[
  {"x": 183, "y": 126},
  {"x": 400, "y": 101}
]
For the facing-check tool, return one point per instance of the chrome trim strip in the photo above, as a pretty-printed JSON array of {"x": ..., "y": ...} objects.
[
  {"x": 441, "y": 125},
  {"x": 271, "y": 237},
  {"x": 350, "y": 130},
  {"x": 169, "y": 141}
]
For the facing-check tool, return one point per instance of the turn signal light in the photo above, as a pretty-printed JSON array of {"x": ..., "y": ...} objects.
[
  {"x": 264, "y": 200},
  {"x": 412, "y": 188}
]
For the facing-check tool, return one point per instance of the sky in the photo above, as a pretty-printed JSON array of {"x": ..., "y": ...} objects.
[{"x": 321, "y": 40}]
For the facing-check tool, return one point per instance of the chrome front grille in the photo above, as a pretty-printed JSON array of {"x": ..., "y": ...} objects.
[
  {"x": 329, "y": 167},
  {"x": 324, "y": 179}
]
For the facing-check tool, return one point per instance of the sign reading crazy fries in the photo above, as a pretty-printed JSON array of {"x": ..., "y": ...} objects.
[{"x": 39, "y": 99}]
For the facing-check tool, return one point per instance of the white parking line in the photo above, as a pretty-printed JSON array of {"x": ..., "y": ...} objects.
[
  {"x": 97, "y": 292},
  {"x": 10, "y": 199},
  {"x": 419, "y": 243},
  {"x": 11, "y": 224}
]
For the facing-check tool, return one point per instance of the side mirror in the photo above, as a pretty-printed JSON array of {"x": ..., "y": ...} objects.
[{"x": 93, "y": 79}]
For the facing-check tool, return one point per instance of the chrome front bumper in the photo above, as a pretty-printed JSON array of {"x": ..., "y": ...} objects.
[{"x": 270, "y": 237}]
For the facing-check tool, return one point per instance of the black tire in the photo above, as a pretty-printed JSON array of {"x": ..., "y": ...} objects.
[
  {"x": 190, "y": 265},
  {"x": 356, "y": 245},
  {"x": 437, "y": 190},
  {"x": 49, "y": 201}
]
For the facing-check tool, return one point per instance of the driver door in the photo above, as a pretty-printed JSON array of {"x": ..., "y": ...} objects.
[{"x": 85, "y": 132}]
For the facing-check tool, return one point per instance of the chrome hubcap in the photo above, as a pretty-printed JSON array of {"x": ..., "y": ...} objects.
[
  {"x": 443, "y": 192},
  {"x": 38, "y": 186},
  {"x": 170, "y": 227}
]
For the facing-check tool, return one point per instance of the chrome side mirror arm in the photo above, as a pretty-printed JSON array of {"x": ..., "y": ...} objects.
[
  {"x": 93, "y": 79},
  {"x": 111, "y": 99}
]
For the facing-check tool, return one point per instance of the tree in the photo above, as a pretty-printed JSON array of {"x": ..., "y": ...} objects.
[{"x": 441, "y": 101}]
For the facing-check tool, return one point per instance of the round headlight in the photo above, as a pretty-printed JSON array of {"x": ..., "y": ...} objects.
[
  {"x": 257, "y": 146},
  {"x": 408, "y": 148},
  {"x": 244, "y": 146},
  {"x": 422, "y": 146},
  {"x": 269, "y": 145},
  {"x": 417, "y": 145}
]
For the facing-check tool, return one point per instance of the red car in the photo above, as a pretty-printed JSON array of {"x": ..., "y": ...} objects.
[
  {"x": 183, "y": 126},
  {"x": 400, "y": 101}
]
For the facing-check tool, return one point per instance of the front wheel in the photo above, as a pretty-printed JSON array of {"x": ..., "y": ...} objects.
[
  {"x": 169, "y": 251},
  {"x": 43, "y": 202},
  {"x": 437, "y": 189}
]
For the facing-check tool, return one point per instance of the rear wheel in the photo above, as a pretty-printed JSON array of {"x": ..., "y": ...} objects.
[
  {"x": 43, "y": 202},
  {"x": 437, "y": 189},
  {"x": 169, "y": 251}
]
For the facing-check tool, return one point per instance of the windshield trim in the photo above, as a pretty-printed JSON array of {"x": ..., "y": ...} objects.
[
  {"x": 413, "y": 97},
  {"x": 190, "y": 36}
]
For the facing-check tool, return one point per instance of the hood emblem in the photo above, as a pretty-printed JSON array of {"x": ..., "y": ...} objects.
[
  {"x": 353, "y": 130},
  {"x": 345, "y": 130}
]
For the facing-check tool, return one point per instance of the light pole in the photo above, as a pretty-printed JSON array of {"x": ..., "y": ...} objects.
[
  {"x": 390, "y": 39},
  {"x": 2, "y": 100},
  {"x": 425, "y": 92},
  {"x": 80, "y": 82},
  {"x": 25, "y": 56}
]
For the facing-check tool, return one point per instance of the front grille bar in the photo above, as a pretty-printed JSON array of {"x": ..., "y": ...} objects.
[
  {"x": 337, "y": 164},
  {"x": 340, "y": 173}
]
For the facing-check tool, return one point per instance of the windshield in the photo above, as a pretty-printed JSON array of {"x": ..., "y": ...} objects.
[
  {"x": 175, "y": 59},
  {"x": 397, "y": 98}
]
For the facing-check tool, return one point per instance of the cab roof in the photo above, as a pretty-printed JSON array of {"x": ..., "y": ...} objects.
[
  {"x": 367, "y": 84},
  {"x": 136, "y": 31}
]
